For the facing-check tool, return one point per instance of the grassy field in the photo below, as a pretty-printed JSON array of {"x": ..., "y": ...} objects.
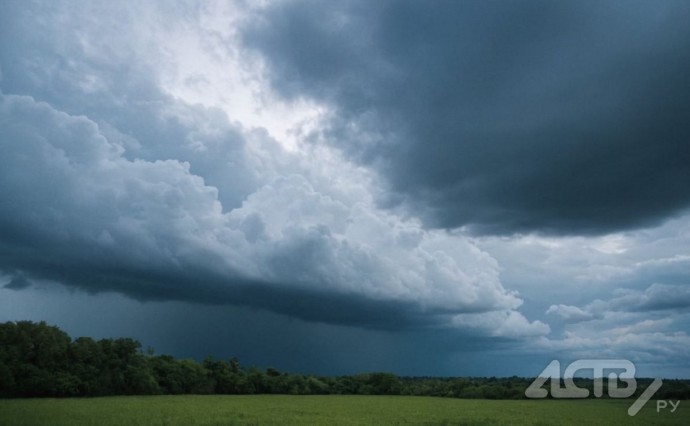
[{"x": 326, "y": 410}]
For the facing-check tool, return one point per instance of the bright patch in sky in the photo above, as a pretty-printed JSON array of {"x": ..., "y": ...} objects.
[{"x": 229, "y": 77}]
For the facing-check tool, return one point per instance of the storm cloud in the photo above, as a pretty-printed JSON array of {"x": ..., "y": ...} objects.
[
  {"x": 502, "y": 117},
  {"x": 110, "y": 184},
  {"x": 456, "y": 188},
  {"x": 76, "y": 211}
]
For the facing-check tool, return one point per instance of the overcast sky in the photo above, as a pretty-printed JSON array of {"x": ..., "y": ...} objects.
[{"x": 427, "y": 188}]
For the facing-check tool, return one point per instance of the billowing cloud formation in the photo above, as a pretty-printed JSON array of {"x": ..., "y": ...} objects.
[
  {"x": 502, "y": 117},
  {"x": 110, "y": 184},
  {"x": 620, "y": 295},
  {"x": 648, "y": 326},
  {"x": 77, "y": 211}
]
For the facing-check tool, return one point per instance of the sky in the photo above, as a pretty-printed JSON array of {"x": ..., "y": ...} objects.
[{"x": 455, "y": 188}]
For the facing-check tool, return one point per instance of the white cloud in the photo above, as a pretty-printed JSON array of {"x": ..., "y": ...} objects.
[
  {"x": 75, "y": 190},
  {"x": 655, "y": 297},
  {"x": 570, "y": 313}
]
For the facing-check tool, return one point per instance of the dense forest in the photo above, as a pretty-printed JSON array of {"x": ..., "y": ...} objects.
[{"x": 39, "y": 360}]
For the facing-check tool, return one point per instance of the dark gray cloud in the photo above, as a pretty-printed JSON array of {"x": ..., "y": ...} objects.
[
  {"x": 18, "y": 282},
  {"x": 501, "y": 116}
]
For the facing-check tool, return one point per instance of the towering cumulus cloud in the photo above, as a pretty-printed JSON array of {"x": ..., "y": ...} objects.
[{"x": 111, "y": 184}]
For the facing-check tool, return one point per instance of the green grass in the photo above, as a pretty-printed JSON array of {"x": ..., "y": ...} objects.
[{"x": 326, "y": 410}]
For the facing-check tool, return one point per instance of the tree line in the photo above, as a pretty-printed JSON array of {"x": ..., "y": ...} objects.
[{"x": 39, "y": 360}]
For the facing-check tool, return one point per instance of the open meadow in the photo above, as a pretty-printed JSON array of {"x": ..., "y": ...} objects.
[{"x": 326, "y": 410}]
